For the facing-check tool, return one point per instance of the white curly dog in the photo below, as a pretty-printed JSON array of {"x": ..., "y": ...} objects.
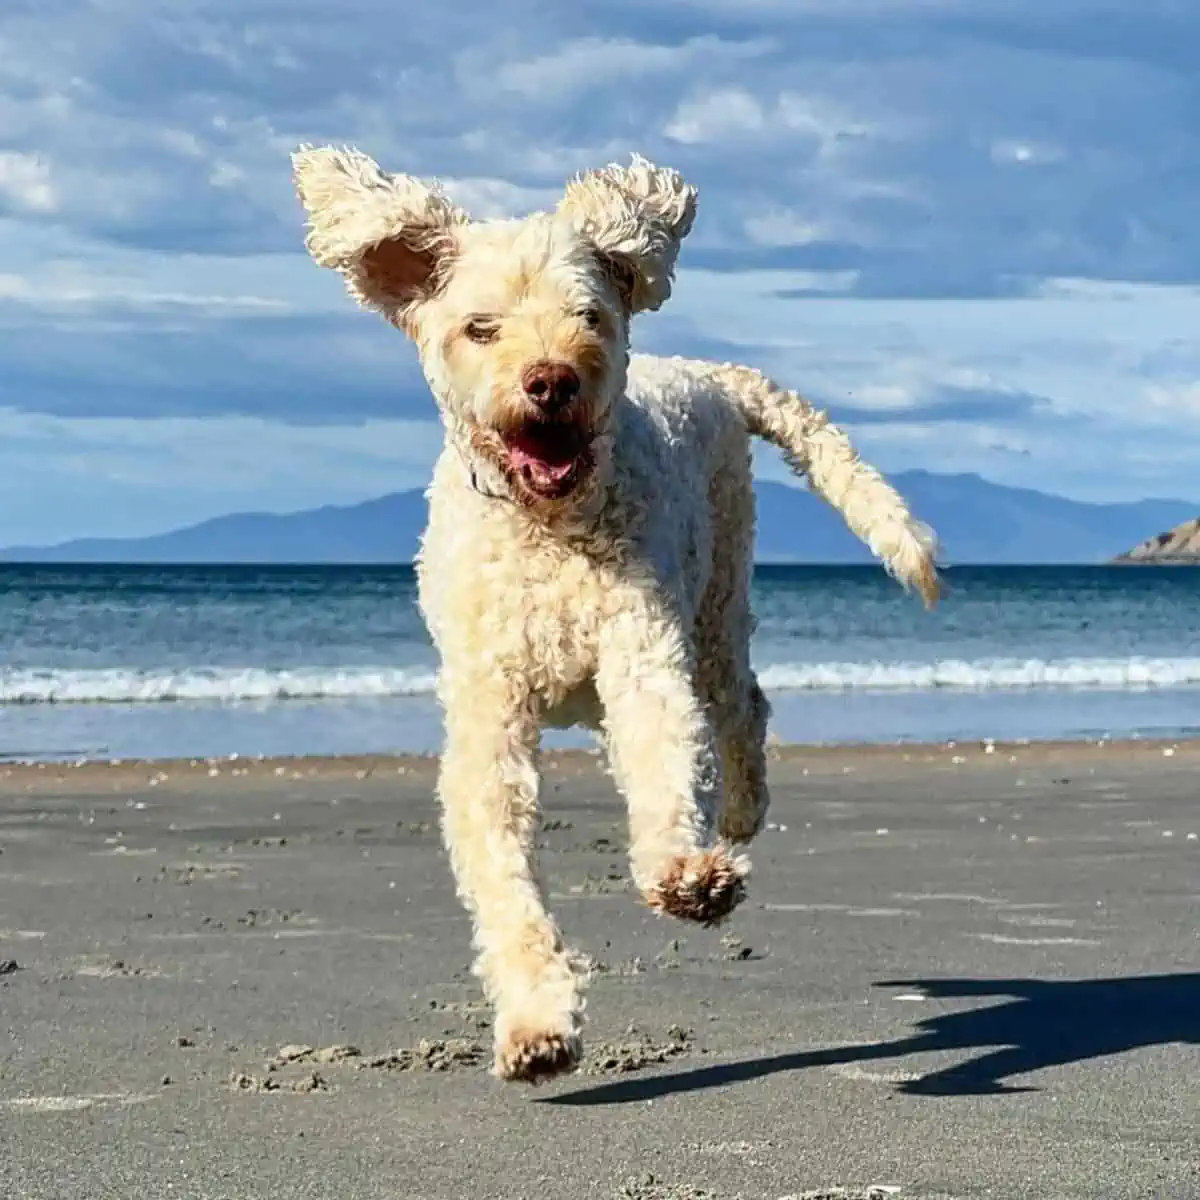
[{"x": 589, "y": 549}]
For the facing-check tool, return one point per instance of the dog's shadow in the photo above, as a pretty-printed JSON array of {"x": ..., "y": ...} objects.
[{"x": 1039, "y": 1025}]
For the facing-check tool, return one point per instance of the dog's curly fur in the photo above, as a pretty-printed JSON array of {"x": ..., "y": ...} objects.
[{"x": 588, "y": 564}]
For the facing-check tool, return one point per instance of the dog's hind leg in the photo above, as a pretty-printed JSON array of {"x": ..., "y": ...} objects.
[
  {"x": 488, "y": 787},
  {"x": 740, "y": 715},
  {"x": 663, "y": 754},
  {"x": 724, "y": 628},
  {"x": 726, "y": 679}
]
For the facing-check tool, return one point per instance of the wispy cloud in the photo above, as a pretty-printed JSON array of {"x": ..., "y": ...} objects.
[
  {"x": 589, "y": 64},
  {"x": 115, "y": 465},
  {"x": 64, "y": 293},
  {"x": 25, "y": 183}
]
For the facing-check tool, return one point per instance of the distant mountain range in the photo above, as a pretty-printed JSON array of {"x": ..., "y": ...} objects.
[{"x": 978, "y": 522}]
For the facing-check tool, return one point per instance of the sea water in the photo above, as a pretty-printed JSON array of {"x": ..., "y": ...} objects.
[{"x": 156, "y": 662}]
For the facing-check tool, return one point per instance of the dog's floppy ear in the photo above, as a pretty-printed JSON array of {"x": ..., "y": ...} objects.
[
  {"x": 391, "y": 236},
  {"x": 637, "y": 215}
]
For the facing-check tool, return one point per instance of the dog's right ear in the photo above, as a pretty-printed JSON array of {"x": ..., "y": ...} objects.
[{"x": 392, "y": 237}]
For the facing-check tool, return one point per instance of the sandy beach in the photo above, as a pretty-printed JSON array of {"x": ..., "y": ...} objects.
[{"x": 962, "y": 971}]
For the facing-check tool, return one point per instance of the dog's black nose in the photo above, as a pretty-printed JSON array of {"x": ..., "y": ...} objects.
[{"x": 550, "y": 385}]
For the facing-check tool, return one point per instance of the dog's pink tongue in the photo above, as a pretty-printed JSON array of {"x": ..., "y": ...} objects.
[{"x": 544, "y": 459}]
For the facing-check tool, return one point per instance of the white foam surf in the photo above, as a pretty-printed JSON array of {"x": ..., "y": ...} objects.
[
  {"x": 249, "y": 685},
  {"x": 987, "y": 674}
]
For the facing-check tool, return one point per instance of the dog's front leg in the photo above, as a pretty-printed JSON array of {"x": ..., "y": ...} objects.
[
  {"x": 662, "y": 750},
  {"x": 488, "y": 787}
]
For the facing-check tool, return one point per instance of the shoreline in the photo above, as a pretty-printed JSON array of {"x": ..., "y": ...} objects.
[{"x": 819, "y": 758}]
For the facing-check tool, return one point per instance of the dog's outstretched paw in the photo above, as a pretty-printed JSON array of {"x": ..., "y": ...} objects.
[
  {"x": 704, "y": 887},
  {"x": 534, "y": 1056}
]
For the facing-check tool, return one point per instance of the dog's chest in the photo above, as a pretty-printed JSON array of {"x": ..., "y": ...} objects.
[
  {"x": 553, "y": 618},
  {"x": 515, "y": 604}
]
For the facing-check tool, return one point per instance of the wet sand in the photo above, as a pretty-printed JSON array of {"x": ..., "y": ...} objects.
[{"x": 962, "y": 971}]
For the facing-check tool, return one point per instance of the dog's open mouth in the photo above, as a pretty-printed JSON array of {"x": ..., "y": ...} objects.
[{"x": 548, "y": 456}]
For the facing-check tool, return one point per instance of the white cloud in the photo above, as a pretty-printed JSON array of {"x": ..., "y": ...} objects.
[
  {"x": 717, "y": 116},
  {"x": 782, "y": 227},
  {"x": 821, "y": 118},
  {"x": 51, "y": 293},
  {"x": 594, "y": 62},
  {"x": 487, "y": 198},
  {"x": 1110, "y": 292},
  {"x": 727, "y": 113},
  {"x": 1025, "y": 152},
  {"x": 53, "y": 269},
  {"x": 25, "y": 181},
  {"x": 779, "y": 226},
  {"x": 1173, "y": 403}
]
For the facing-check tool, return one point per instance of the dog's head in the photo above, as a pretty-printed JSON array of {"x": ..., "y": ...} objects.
[{"x": 522, "y": 325}]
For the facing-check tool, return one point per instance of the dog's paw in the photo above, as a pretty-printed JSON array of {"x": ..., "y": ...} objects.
[
  {"x": 740, "y": 827},
  {"x": 704, "y": 887},
  {"x": 526, "y": 1055}
]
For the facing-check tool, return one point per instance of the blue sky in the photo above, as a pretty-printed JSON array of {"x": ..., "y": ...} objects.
[{"x": 967, "y": 226}]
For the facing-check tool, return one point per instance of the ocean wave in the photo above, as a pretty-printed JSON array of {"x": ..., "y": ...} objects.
[
  {"x": 234, "y": 685},
  {"x": 1098, "y": 674},
  {"x": 227, "y": 685}
]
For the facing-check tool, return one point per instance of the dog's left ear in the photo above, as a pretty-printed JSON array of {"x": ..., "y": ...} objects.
[
  {"x": 637, "y": 216},
  {"x": 393, "y": 237}
]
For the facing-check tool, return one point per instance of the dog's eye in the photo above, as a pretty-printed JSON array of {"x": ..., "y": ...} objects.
[
  {"x": 481, "y": 330},
  {"x": 590, "y": 317}
]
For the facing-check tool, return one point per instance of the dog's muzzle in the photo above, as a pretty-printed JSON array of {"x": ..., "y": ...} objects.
[{"x": 548, "y": 456}]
